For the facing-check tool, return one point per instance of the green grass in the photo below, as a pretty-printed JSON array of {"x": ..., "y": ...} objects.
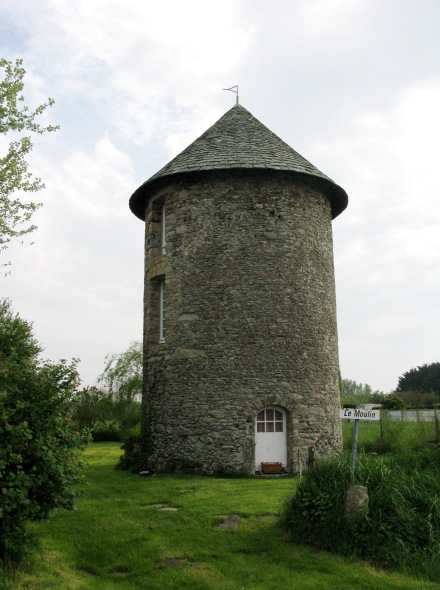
[
  {"x": 119, "y": 537},
  {"x": 387, "y": 436}
]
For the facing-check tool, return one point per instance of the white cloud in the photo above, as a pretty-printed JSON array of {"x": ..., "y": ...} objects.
[
  {"x": 352, "y": 85},
  {"x": 150, "y": 66},
  {"x": 387, "y": 243},
  {"x": 82, "y": 280}
]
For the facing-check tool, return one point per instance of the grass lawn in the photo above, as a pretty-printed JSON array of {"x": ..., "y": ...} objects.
[{"x": 162, "y": 533}]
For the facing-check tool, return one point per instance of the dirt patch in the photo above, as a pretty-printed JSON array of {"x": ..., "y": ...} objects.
[{"x": 230, "y": 522}]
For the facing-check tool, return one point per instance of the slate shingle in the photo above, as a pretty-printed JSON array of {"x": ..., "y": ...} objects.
[{"x": 238, "y": 141}]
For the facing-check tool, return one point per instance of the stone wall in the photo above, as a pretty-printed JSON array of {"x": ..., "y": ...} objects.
[{"x": 251, "y": 319}]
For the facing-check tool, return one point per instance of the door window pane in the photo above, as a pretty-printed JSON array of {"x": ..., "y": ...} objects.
[{"x": 270, "y": 420}]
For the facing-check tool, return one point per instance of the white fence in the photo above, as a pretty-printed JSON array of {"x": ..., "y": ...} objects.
[{"x": 412, "y": 415}]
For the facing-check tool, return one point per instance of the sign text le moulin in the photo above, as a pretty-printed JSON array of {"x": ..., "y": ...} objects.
[{"x": 359, "y": 414}]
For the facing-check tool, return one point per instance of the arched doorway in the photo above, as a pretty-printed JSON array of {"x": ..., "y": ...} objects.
[{"x": 270, "y": 436}]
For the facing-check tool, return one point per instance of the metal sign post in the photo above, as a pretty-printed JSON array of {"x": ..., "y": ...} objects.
[
  {"x": 354, "y": 443},
  {"x": 357, "y": 415}
]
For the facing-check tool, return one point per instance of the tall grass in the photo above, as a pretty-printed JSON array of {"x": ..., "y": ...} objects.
[
  {"x": 388, "y": 436},
  {"x": 402, "y": 527}
]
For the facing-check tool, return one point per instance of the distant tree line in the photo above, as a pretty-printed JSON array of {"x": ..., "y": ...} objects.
[
  {"x": 359, "y": 393},
  {"x": 425, "y": 379},
  {"x": 418, "y": 387}
]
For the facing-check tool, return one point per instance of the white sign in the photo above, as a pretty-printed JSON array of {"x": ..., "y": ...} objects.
[{"x": 359, "y": 414}]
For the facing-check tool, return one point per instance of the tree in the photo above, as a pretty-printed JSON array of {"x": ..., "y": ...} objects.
[
  {"x": 358, "y": 393},
  {"x": 351, "y": 387},
  {"x": 425, "y": 379},
  {"x": 122, "y": 377},
  {"x": 92, "y": 405},
  {"x": 17, "y": 119},
  {"x": 392, "y": 402},
  {"x": 40, "y": 446}
]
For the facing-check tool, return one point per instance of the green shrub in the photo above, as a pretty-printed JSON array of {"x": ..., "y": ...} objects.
[
  {"x": 402, "y": 527},
  {"x": 108, "y": 430},
  {"x": 92, "y": 405},
  {"x": 392, "y": 402},
  {"x": 131, "y": 459},
  {"x": 313, "y": 515},
  {"x": 40, "y": 446},
  {"x": 128, "y": 414}
]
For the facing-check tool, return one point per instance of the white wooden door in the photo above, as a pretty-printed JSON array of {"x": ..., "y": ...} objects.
[{"x": 270, "y": 436}]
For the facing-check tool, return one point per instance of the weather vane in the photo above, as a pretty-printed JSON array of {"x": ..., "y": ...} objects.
[{"x": 233, "y": 89}]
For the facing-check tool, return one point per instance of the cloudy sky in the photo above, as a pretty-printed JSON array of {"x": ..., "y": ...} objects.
[{"x": 352, "y": 85}]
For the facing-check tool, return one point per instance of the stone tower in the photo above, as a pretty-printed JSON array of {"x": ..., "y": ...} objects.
[{"x": 240, "y": 339}]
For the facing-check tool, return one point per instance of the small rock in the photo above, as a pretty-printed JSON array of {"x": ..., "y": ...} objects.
[{"x": 357, "y": 502}]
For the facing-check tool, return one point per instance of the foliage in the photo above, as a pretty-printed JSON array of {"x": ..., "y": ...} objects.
[
  {"x": 313, "y": 515},
  {"x": 107, "y": 430},
  {"x": 425, "y": 379},
  {"x": 392, "y": 402},
  {"x": 39, "y": 444},
  {"x": 131, "y": 459},
  {"x": 16, "y": 118},
  {"x": 122, "y": 377},
  {"x": 351, "y": 387},
  {"x": 96, "y": 411},
  {"x": 358, "y": 393},
  {"x": 146, "y": 544},
  {"x": 402, "y": 528},
  {"x": 420, "y": 399},
  {"x": 91, "y": 405}
]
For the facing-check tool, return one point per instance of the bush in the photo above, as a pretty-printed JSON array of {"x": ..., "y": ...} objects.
[
  {"x": 131, "y": 459},
  {"x": 393, "y": 402},
  {"x": 106, "y": 431},
  {"x": 402, "y": 528},
  {"x": 40, "y": 446},
  {"x": 91, "y": 405}
]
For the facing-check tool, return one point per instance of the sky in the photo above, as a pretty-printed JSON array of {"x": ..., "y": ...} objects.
[{"x": 352, "y": 85}]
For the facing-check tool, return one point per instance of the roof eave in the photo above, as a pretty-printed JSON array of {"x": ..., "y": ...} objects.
[{"x": 138, "y": 200}]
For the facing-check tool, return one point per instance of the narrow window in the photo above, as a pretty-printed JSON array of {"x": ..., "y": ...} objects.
[
  {"x": 162, "y": 311},
  {"x": 163, "y": 231}
]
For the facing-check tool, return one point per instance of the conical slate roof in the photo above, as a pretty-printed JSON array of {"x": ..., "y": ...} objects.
[{"x": 237, "y": 141}]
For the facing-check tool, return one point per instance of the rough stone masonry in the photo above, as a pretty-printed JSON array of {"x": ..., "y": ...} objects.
[{"x": 239, "y": 305}]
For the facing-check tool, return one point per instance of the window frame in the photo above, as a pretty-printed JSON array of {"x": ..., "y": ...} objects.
[
  {"x": 162, "y": 311},
  {"x": 163, "y": 233},
  {"x": 270, "y": 420}
]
